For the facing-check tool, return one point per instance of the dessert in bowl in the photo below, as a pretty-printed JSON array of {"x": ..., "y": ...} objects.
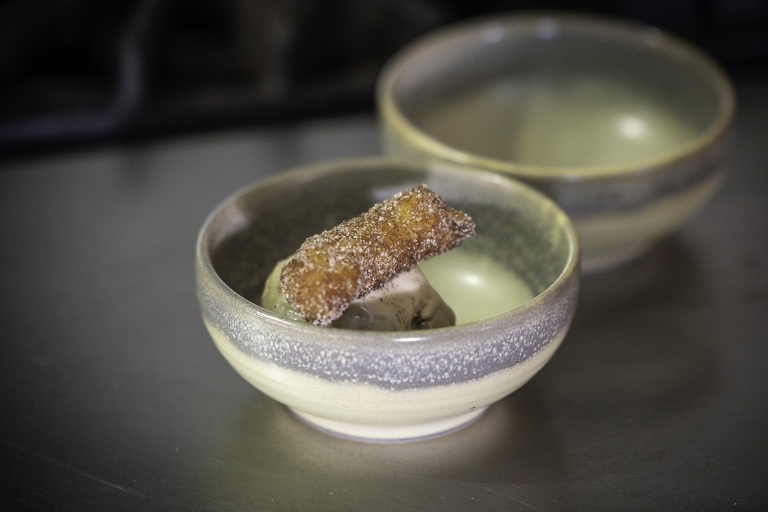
[
  {"x": 512, "y": 286},
  {"x": 625, "y": 127}
]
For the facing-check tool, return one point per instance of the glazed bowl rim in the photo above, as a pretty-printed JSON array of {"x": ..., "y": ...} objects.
[
  {"x": 332, "y": 335},
  {"x": 628, "y": 32}
]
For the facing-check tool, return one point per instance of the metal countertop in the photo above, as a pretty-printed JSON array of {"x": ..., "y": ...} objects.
[{"x": 114, "y": 398}]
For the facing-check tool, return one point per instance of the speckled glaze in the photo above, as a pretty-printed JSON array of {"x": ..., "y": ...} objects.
[
  {"x": 379, "y": 385},
  {"x": 618, "y": 209}
]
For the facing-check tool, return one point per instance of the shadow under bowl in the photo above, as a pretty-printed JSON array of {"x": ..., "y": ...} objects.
[{"x": 513, "y": 287}]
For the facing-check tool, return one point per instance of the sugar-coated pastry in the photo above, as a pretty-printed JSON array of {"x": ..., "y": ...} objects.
[{"x": 360, "y": 255}]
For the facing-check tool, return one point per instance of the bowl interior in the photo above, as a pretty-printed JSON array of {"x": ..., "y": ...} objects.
[
  {"x": 558, "y": 91},
  {"x": 523, "y": 243}
]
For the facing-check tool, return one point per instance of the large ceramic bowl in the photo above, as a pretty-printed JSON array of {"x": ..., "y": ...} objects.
[
  {"x": 622, "y": 125},
  {"x": 513, "y": 288}
]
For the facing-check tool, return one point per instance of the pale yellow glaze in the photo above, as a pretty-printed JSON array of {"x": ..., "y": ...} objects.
[
  {"x": 363, "y": 410},
  {"x": 614, "y": 238}
]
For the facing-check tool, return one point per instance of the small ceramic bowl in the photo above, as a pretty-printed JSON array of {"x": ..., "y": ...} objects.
[
  {"x": 513, "y": 288},
  {"x": 625, "y": 127}
]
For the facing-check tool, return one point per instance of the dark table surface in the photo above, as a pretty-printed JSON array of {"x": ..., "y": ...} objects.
[{"x": 113, "y": 397}]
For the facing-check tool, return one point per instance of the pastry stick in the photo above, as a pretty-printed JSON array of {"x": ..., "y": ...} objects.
[{"x": 335, "y": 267}]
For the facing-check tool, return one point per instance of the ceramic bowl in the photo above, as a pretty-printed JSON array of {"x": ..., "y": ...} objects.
[
  {"x": 625, "y": 127},
  {"x": 513, "y": 288}
]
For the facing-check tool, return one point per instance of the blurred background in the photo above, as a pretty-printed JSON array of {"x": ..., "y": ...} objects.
[{"x": 75, "y": 72}]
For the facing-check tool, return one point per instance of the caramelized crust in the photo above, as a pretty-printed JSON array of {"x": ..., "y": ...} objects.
[{"x": 335, "y": 267}]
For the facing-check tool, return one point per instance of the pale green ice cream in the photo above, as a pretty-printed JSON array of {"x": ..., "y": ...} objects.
[{"x": 405, "y": 303}]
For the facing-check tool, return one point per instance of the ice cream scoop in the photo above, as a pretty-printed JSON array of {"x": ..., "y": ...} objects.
[{"x": 407, "y": 302}]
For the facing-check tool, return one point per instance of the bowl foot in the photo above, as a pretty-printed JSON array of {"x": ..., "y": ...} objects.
[{"x": 390, "y": 433}]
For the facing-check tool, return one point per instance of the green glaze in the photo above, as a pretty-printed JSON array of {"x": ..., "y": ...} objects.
[
  {"x": 475, "y": 286},
  {"x": 579, "y": 120}
]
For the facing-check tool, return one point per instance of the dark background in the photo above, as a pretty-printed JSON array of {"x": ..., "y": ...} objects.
[
  {"x": 114, "y": 398},
  {"x": 75, "y": 71}
]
